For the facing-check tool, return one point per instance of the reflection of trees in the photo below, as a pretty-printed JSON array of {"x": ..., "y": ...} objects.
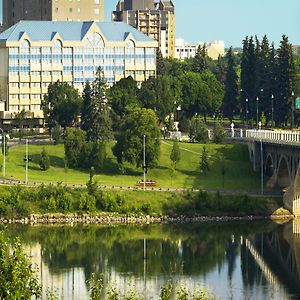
[{"x": 190, "y": 249}]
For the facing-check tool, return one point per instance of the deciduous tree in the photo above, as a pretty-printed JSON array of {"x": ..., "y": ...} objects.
[{"x": 129, "y": 147}]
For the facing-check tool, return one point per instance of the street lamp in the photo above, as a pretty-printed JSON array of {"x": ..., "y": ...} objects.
[
  {"x": 257, "y": 99},
  {"x": 293, "y": 94},
  {"x": 272, "y": 103},
  {"x": 4, "y": 150},
  {"x": 247, "y": 111}
]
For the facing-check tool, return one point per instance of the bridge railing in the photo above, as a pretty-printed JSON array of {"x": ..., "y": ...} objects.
[{"x": 277, "y": 136}]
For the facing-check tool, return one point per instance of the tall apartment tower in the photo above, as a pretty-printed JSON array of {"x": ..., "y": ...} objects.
[
  {"x": 156, "y": 18},
  {"x": 56, "y": 10}
]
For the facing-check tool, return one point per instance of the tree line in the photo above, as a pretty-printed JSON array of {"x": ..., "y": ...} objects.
[{"x": 260, "y": 84}]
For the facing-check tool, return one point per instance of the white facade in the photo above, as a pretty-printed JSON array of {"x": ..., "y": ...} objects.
[{"x": 184, "y": 50}]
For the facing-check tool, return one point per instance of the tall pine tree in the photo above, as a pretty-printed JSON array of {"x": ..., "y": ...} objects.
[
  {"x": 286, "y": 83},
  {"x": 200, "y": 60},
  {"x": 86, "y": 107},
  {"x": 230, "y": 103},
  {"x": 248, "y": 76},
  {"x": 99, "y": 129}
]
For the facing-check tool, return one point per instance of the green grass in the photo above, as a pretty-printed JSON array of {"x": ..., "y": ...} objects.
[{"x": 238, "y": 170}]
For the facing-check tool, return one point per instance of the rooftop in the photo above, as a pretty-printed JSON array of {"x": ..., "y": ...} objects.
[{"x": 70, "y": 31}]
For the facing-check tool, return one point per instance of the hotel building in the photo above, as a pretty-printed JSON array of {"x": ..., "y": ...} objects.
[
  {"x": 34, "y": 54},
  {"x": 156, "y": 18},
  {"x": 52, "y": 10}
]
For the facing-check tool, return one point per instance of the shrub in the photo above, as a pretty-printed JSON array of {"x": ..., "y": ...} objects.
[
  {"x": 45, "y": 160},
  {"x": 219, "y": 134},
  {"x": 198, "y": 131},
  {"x": 17, "y": 279}
]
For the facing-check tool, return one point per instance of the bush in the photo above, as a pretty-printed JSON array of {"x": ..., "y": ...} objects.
[
  {"x": 45, "y": 160},
  {"x": 219, "y": 134},
  {"x": 17, "y": 279},
  {"x": 198, "y": 130}
]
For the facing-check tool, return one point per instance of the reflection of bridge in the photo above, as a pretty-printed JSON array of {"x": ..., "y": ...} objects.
[
  {"x": 277, "y": 153},
  {"x": 278, "y": 256}
]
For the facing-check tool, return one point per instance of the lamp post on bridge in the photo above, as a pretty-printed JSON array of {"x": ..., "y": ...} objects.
[
  {"x": 249, "y": 98},
  {"x": 247, "y": 111},
  {"x": 272, "y": 110},
  {"x": 293, "y": 94}
]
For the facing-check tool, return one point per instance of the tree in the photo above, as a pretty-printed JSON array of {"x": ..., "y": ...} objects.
[
  {"x": 20, "y": 117},
  {"x": 61, "y": 105},
  {"x": 75, "y": 148},
  {"x": 87, "y": 95},
  {"x": 160, "y": 63},
  {"x": 98, "y": 120},
  {"x": 122, "y": 94},
  {"x": 44, "y": 160},
  {"x": 249, "y": 76},
  {"x": 198, "y": 130},
  {"x": 230, "y": 103},
  {"x": 286, "y": 82},
  {"x": 204, "y": 165},
  {"x": 162, "y": 94},
  {"x": 17, "y": 278},
  {"x": 219, "y": 134},
  {"x": 175, "y": 154},
  {"x": 199, "y": 61},
  {"x": 129, "y": 147},
  {"x": 202, "y": 94}
]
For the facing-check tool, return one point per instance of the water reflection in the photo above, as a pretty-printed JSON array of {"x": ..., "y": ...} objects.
[{"x": 234, "y": 260}]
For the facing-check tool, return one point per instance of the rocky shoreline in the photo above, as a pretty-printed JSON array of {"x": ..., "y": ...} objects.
[{"x": 72, "y": 219}]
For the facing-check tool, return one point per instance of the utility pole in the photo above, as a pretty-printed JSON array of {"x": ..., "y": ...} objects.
[
  {"x": 144, "y": 160},
  {"x": 26, "y": 163}
]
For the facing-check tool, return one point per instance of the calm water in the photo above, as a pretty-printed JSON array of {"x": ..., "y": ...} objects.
[{"x": 233, "y": 260}]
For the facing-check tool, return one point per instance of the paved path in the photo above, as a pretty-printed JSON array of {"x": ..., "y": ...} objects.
[
  {"x": 7, "y": 182},
  {"x": 185, "y": 149}
]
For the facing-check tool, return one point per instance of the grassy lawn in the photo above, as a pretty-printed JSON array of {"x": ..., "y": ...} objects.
[{"x": 238, "y": 170}]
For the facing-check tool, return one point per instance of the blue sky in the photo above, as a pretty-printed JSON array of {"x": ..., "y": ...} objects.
[{"x": 232, "y": 20}]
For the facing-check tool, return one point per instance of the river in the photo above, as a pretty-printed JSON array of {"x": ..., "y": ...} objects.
[{"x": 235, "y": 260}]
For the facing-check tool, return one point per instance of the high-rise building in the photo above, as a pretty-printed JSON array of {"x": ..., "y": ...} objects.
[
  {"x": 156, "y": 18},
  {"x": 56, "y": 10},
  {"x": 70, "y": 52}
]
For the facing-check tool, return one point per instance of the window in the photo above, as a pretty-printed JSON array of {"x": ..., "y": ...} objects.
[
  {"x": 97, "y": 11},
  {"x": 97, "y": 1}
]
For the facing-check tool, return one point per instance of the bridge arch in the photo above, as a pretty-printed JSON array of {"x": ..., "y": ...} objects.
[
  {"x": 284, "y": 179},
  {"x": 269, "y": 166}
]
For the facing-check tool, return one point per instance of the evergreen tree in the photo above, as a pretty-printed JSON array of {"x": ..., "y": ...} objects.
[
  {"x": 221, "y": 70},
  {"x": 45, "y": 160},
  {"x": 273, "y": 79},
  {"x": 200, "y": 59},
  {"x": 286, "y": 82},
  {"x": 160, "y": 63},
  {"x": 175, "y": 154},
  {"x": 204, "y": 165},
  {"x": 248, "y": 76},
  {"x": 86, "y": 107},
  {"x": 230, "y": 103},
  {"x": 99, "y": 129}
]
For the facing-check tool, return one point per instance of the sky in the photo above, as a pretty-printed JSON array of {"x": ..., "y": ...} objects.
[{"x": 232, "y": 20}]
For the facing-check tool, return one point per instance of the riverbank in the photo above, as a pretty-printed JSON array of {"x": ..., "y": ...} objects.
[{"x": 72, "y": 219}]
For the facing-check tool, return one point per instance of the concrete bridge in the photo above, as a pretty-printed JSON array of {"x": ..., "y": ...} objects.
[{"x": 276, "y": 154}]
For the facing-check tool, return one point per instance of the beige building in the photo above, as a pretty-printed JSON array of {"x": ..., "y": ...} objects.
[
  {"x": 156, "y": 18},
  {"x": 185, "y": 50},
  {"x": 56, "y": 10},
  {"x": 70, "y": 52}
]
